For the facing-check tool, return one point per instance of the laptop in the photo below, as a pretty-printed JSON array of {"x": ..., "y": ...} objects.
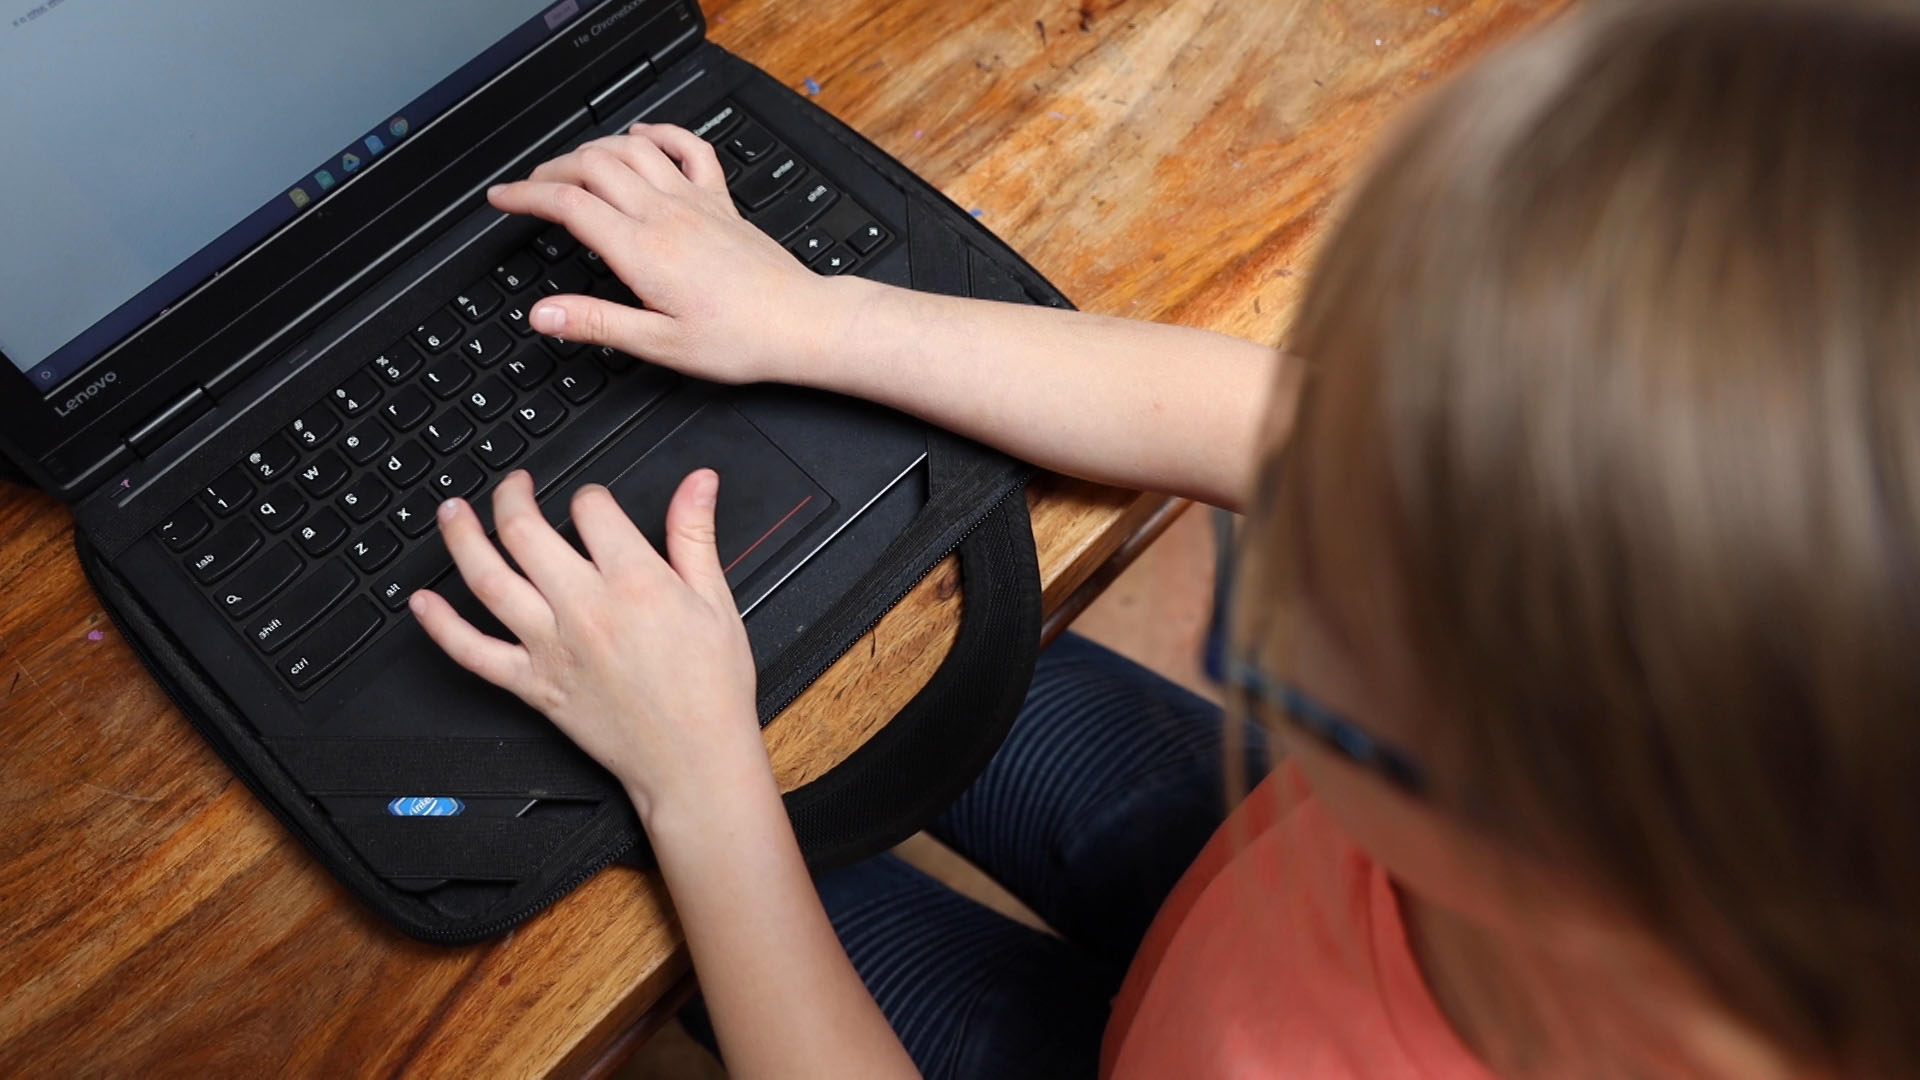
[{"x": 258, "y": 321}]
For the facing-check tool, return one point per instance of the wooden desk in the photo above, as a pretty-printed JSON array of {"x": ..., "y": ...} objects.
[{"x": 1166, "y": 159}]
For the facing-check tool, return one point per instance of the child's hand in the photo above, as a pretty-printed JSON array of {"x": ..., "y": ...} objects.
[
  {"x": 722, "y": 300},
  {"x": 642, "y": 661}
]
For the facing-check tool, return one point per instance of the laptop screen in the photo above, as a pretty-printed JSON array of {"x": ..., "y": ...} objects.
[{"x": 148, "y": 145}]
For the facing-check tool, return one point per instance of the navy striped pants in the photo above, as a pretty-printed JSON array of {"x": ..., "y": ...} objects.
[{"x": 1106, "y": 789}]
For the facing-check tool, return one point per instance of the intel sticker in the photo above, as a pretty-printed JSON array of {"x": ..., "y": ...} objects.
[{"x": 425, "y": 806}]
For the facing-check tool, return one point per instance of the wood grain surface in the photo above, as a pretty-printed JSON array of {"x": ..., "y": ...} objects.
[{"x": 1166, "y": 159}]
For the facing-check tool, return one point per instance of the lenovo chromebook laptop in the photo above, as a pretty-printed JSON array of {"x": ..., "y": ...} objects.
[{"x": 258, "y": 321}]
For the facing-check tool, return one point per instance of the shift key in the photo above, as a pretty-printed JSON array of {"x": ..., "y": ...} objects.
[
  {"x": 298, "y": 607},
  {"x": 324, "y": 648}
]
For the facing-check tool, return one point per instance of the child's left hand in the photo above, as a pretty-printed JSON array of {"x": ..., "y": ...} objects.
[{"x": 642, "y": 661}]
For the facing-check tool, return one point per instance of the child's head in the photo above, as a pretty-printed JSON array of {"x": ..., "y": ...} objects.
[{"x": 1603, "y": 501}]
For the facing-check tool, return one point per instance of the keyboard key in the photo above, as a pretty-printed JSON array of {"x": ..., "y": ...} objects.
[
  {"x": 517, "y": 273},
  {"x": 554, "y": 244},
  {"x": 373, "y": 549},
  {"x": 421, "y": 568},
  {"x": 762, "y": 186},
  {"x": 595, "y": 265},
  {"x": 448, "y": 432},
  {"x": 565, "y": 278},
  {"x": 489, "y": 399},
  {"x": 324, "y": 473},
  {"x": 314, "y": 427},
  {"x": 356, "y": 395},
  {"x": 396, "y": 362},
  {"x": 867, "y": 237},
  {"x": 439, "y": 333},
  {"x": 328, "y": 644},
  {"x": 263, "y": 577},
  {"x": 185, "y": 526},
  {"x": 365, "y": 442},
  {"x": 539, "y": 413},
  {"x": 579, "y": 382},
  {"x": 221, "y": 552},
  {"x": 405, "y": 464},
  {"x": 364, "y": 497},
  {"x": 488, "y": 346},
  {"x": 613, "y": 359},
  {"x": 528, "y": 369},
  {"x": 413, "y": 515},
  {"x": 562, "y": 347},
  {"x": 714, "y": 125},
  {"x": 280, "y": 508},
  {"x": 274, "y": 457},
  {"x": 751, "y": 144},
  {"x": 516, "y": 319},
  {"x": 297, "y": 608},
  {"x": 789, "y": 215},
  {"x": 229, "y": 491},
  {"x": 446, "y": 376},
  {"x": 321, "y": 531},
  {"x": 811, "y": 246},
  {"x": 730, "y": 170},
  {"x": 613, "y": 290},
  {"x": 457, "y": 479},
  {"x": 837, "y": 260},
  {"x": 479, "y": 300},
  {"x": 500, "y": 447},
  {"x": 407, "y": 408}
]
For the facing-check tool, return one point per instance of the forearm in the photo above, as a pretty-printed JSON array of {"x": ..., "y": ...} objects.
[
  {"x": 784, "y": 999},
  {"x": 1136, "y": 404}
]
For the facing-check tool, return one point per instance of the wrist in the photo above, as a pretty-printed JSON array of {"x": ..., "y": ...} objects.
[
  {"x": 846, "y": 312},
  {"x": 714, "y": 812}
]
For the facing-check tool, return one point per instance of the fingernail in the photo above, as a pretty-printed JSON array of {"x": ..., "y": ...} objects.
[
  {"x": 495, "y": 190},
  {"x": 448, "y": 509},
  {"x": 417, "y": 604},
  {"x": 549, "y": 318},
  {"x": 706, "y": 488}
]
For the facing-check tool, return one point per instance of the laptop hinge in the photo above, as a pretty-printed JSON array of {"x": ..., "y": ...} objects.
[{"x": 605, "y": 101}]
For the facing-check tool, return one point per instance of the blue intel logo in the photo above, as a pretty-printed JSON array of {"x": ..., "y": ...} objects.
[{"x": 425, "y": 806}]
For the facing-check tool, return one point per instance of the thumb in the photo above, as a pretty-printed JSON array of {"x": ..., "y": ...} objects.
[
  {"x": 593, "y": 321},
  {"x": 691, "y": 549}
]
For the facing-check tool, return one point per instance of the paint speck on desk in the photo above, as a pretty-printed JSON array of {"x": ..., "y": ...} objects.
[
  {"x": 977, "y": 212},
  {"x": 1436, "y": 12},
  {"x": 813, "y": 88},
  {"x": 96, "y": 635},
  {"x": 1056, "y": 114},
  {"x": 919, "y": 133},
  {"x": 1378, "y": 42}
]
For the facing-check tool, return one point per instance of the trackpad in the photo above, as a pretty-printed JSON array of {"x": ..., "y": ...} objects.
[{"x": 765, "y": 500}]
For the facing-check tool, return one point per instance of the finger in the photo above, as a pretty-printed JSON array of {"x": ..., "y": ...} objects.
[
  {"x": 646, "y": 159},
  {"x": 612, "y": 539},
  {"x": 594, "y": 321},
  {"x": 605, "y": 172},
  {"x": 548, "y": 561},
  {"x": 505, "y": 665},
  {"x": 513, "y": 601},
  {"x": 694, "y": 155},
  {"x": 690, "y": 538},
  {"x": 592, "y": 220}
]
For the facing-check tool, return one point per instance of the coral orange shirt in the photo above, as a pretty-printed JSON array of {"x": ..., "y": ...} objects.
[{"x": 1281, "y": 953}]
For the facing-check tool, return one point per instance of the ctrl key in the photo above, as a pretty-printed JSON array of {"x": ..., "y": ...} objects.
[{"x": 323, "y": 649}]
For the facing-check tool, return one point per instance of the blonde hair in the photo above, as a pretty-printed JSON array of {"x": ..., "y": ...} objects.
[{"x": 1612, "y": 438}]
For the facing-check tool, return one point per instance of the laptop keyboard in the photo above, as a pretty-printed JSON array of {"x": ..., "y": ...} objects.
[{"x": 314, "y": 540}]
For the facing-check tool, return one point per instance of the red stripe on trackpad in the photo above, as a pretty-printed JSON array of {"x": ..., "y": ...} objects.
[{"x": 777, "y": 526}]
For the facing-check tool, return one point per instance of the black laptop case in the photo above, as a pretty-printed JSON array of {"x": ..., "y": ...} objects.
[{"x": 463, "y": 878}]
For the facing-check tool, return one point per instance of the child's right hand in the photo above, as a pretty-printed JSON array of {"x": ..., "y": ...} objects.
[{"x": 723, "y": 301}]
